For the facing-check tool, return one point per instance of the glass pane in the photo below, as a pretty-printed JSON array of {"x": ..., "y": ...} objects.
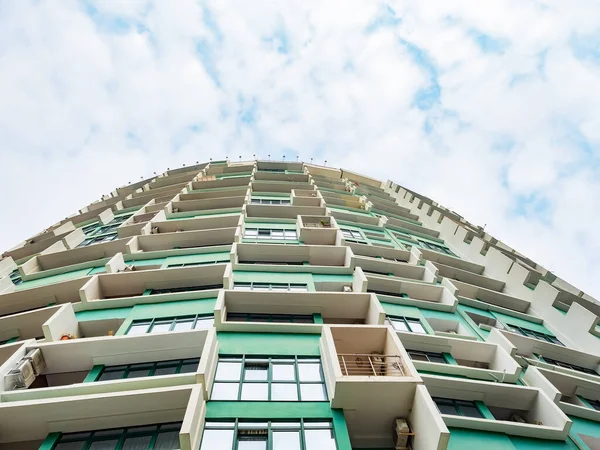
[
  {"x": 217, "y": 440},
  {"x": 418, "y": 356},
  {"x": 161, "y": 327},
  {"x": 203, "y": 323},
  {"x": 288, "y": 440},
  {"x": 319, "y": 440},
  {"x": 446, "y": 408},
  {"x": 228, "y": 371},
  {"x": 312, "y": 392},
  {"x": 137, "y": 443},
  {"x": 284, "y": 392},
  {"x": 138, "y": 328},
  {"x": 70, "y": 446},
  {"x": 416, "y": 327},
  {"x": 399, "y": 325},
  {"x": 116, "y": 375},
  {"x": 253, "y": 443},
  {"x": 137, "y": 373},
  {"x": 277, "y": 234},
  {"x": 224, "y": 391},
  {"x": 293, "y": 425},
  {"x": 283, "y": 372},
  {"x": 104, "y": 445},
  {"x": 188, "y": 368},
  {"x": 183, "y": 325},
  {"x": 165, "y": 370},
  {"x": 167, "y": 441},
  {"x": 309, "y": 372},
  {"x": 436, "y": 358},
  {"x": 255, "y": 391},
  {"x": 256, "y": 372},
  {"x": 470, "y": 411}
]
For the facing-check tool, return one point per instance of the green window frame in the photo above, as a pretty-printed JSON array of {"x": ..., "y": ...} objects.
[
  {"x": 260, "y": 286},
  {"x": 15, "y": 277},
  {"x": 418, "y": 355},
  {"x": 410, "y": 324},
  {"x": 146, "y": 437},
  {"x": 353, "y": 235},
  {"x": 534, "y": 334},
  {"x": 99, "y": 239},
  {"x": 256, "y": 378},
  {"x": 465, "y": 408},
  {"x": 435, "y": 247},
  {"x": 558, "y": 363},
  {"x": 298, "y": 434},
  {"x": 149, "y": 369},
  {"x": 169, "y": 324},
  {"x": 266, "y": 234},
  {"x": 275, "y": 318},
  {"x": 595, "y": 404},
  {"x": 270, "y": 201}
]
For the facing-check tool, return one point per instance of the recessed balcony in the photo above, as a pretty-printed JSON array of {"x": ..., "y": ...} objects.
[
  {"x": 293, "y": 310},
  {"x": 468, "y": 277},
  {"x": 229, "y": 169},
  {"x": 235, "y": 191},
  {"x": 369, "y": 375},
  {"x": 420, "y": 255}
]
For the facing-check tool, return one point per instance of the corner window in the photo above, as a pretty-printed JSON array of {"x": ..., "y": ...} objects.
[
  {"x": 289, "y": 435},
  {"x": 150, "y": 369},
  {"x": 269, "y": 379},
  {"x": 164, "y": 325},
  {"x": 407, "y": 324},
  {"x": 454, "y": 407},
  {"x": 146, "y": 437}
]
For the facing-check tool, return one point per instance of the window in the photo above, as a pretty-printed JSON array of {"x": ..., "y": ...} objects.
[
  {"x": 276, "y": 318},
  {"x": 391, "y": 294},
  {"x": 150, "y": 369},
  {"x": 352, "y": 234},
  {"x": 535, "y": 334},
  {"x": 8, "y": 341},
  {"x": 98, "y": 239},
  {"x": 417, "y": 355},
  {"x": 269, "y": 379},
  {"x": 436, "y": 247},
  {"x": 289, "y": 435},
  {"x": 555, "y": 362},
  {"x": 120, "y": 219},
  {"x": 264, "y": 201},
  {"x": 146, "y": 437},
  {"x": 457, "y": 407},
  {"x": 270, "y": 234},
  {"x": 407, "y": 324},
  {"x": 15, "y": 277},
  {"x": 252, "y": 286},
  {"x": 594, "y": 404},
  {"x": 89, "y": 228},
  {"x": 150, "y": 326},
  {"x": 202, "y": 263},
  {"x": 185, "y": 289}
]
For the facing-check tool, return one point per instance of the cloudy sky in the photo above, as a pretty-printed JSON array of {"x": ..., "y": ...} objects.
[{"x": 491, "y": 108}]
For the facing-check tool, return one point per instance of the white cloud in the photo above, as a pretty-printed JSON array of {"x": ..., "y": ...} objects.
[{"x": 96, "y": 94}]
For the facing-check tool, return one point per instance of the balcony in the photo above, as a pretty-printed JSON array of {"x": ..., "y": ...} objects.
[
  {"x": 317, "y": 230},
  {"x": 264, "y": 311},
  {"x": 406, "y": 292},
  {"x": 235, "y": 191},
  {"x": 278, "y": 176},
  {"x": 292, "y": 258},
  {"x": 161, "y": 225},
  {"x": 378, "y": 251},
  {"x": 171, "y": 243},
  {"x": 472, "y": 292},
  {"x": 306, "y": 197},
  {"x": 212, "y": 183},
  {"x": 26, "y": 325},
  {"x": 369, "y": 375},
  {"x": 378, "y": 267},
  {"x": 265, "y": 186},
  {"x": 185, "y": 208}
]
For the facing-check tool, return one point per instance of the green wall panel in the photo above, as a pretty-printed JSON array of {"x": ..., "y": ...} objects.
[
  {"x": 52, "y": 279},
  {"x": 102, "y": 314},
  {"x": 268, "y": 344},
  {"x": 268, "y": 410},
  {"x": 584, "y": 432},
  {"x": 400, "y": 310},
  {"x": 335, "y": 278},
  {"x": 465, "y": 439}
]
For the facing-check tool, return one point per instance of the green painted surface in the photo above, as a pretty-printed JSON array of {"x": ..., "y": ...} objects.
[
  {"x": 146, "y": 262},
  {"x": 93, "y": 374},
  {"x": 52, "y": 279},
  {"x": 466, "y": 327},
  {"x": 484, "y": 410},
  {"x": 522, "y": 443},
  {"x": 268, "y": 410},
  {"x": 96, "y": 270},
  {"x": 340, "y": 430},
  {"x": 392, "y": 309},
  {"x": 268, "y": 343},
  {"x": 49, "y": 442},
  {"x": 168, "y": 309},
  {"x": 216, "y": 256},
  {"x": 103, "y": 314},
  {"x": 584, "y": 432},
  {"x": 467, "y": 439},
  {"x": 325, "y": 277}
]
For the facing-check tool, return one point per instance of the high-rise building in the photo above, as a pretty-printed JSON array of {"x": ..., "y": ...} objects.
[{"x": 287, "y": 306}]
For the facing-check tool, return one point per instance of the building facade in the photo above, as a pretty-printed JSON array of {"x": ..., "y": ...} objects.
[{"x": 287, "y": 306}]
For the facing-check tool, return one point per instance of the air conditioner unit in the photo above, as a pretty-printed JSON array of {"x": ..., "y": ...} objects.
[
  {"x": 21, "y": 377},
  {"x": 401, "y": 435},
  {"x": 36, "y": 358}
]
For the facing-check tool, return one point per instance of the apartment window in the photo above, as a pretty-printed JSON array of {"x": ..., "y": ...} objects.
[
  {"x": 454, "y": 407},
  {"x": 146, "y": 437},
  {"x": 390, "y": 294},
  {"x": 150, "y": 369},
  {"x": 120, "y": 219},
  {"x": 352, "y": 234},
  {"x": 269, "y": 379},
  {"x": 270, "y": 234},
  {"x": 555, "y": 362},
  {"x": 201, "y": 263},
  {"x": 98, "y": 239},
  {"x": 15, "y": 277},
  {"x": 164, "y": 325},
  {"x": 185, "y": 289},
  {"x": 106, "y": 229},
  {"x": 8, "y": 341},
  {"x": 276, "y": 318},
  {"x": 417, "y": 355},
  {"x": 299, "y": 434},
  {"x": 265, "y": 201},
  {"x": 535, "y": 334},
  {"x": 594, "y": 404},
  {"x": 436, "y": 247},
  {"x": 253, "y": 286},
  {"x": 407, "y": 324}
]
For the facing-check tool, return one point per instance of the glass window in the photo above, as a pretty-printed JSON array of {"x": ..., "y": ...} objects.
[
  {"x": 255, "y": 391},
  {"x": 171, "y": 324},
  {"x": 260, "y": 286},
  {"x": 454, "y": 407},
  {"x": 407, "y": 324}
]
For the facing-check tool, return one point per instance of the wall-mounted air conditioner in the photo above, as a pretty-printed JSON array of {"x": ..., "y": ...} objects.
[
  {"x": 25, "y": 371},
  {"x": 402, "y": 434}
]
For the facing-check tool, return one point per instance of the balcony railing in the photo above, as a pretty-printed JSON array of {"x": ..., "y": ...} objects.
[{"x": 371, "y": 364}]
